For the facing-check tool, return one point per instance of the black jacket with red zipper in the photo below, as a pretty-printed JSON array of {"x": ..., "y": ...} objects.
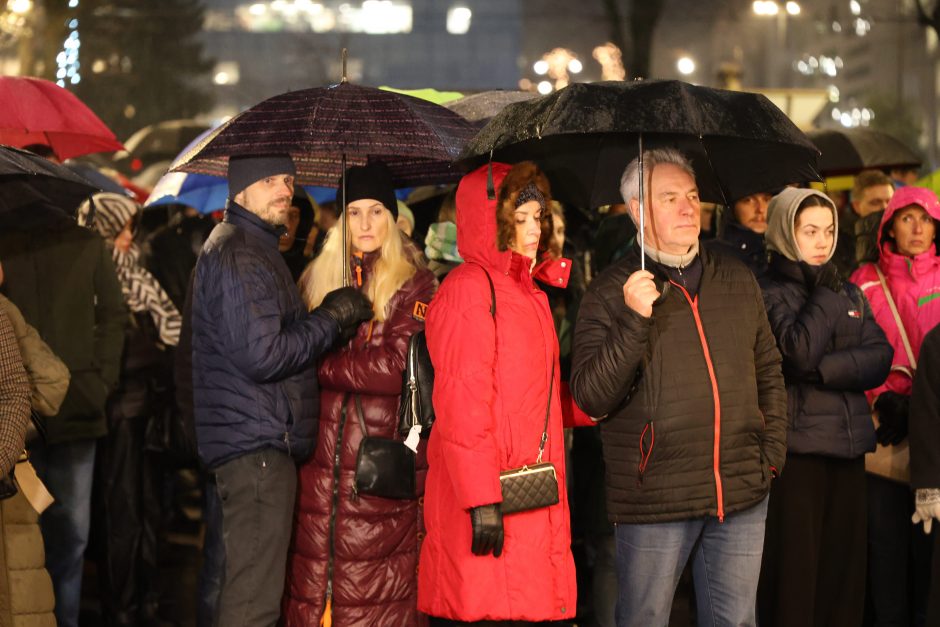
[{"x": 693, "y": 398}]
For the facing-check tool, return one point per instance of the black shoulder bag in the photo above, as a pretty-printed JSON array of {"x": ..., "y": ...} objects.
[
  {"x": 416, "y": 410},
  {"x": 384, "y": 467}
]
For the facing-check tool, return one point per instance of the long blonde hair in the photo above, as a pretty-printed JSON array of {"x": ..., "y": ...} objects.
[{"x": 398, "y": 261}]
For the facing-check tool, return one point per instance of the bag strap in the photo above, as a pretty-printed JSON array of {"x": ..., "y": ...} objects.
[
  {"x": 362, "y": 420},
  {"x": 548, "y": 407},
  {"x": 489, "y": 280},
  {"x": 897, "y": 318},
  {"x": 551, "y": 382}
]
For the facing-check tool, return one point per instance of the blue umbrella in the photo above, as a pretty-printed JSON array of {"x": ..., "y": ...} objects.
[{"x": 206, "y": 193}]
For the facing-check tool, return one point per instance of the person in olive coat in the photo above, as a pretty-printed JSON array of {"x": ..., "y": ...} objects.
[{"x": 63, "y": 280}]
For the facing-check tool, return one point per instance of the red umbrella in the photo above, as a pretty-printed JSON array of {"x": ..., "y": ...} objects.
[{"x": 35, "y": 111}]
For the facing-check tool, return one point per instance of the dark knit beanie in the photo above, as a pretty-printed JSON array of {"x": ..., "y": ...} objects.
[
  {"x": 373, "y": 181},
  {"x": 244, "y": 170}
]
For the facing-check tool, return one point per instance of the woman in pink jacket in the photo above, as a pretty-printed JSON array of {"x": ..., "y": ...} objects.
[
  {"x": 907, "y": 274},
  {"x": 496, "y": 373}
]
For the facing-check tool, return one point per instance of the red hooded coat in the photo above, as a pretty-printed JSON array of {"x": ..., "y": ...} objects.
[
  {"x": 490, "y": 393},
  {"x": 364, "y": 548}
]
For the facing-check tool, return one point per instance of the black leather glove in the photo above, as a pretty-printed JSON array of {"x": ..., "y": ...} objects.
[
  {"x": 349, "y": 308},
  {"x": 826, "y": 275},
  {"x": 893, "y": 409},
  {"x": 829, "y": 277},
  {"x": 487, "y": 523}
]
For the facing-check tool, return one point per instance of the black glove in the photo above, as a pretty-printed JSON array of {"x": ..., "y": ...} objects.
[
  {"x": 487, "y": 522},
  {"x": 349, "y": 308},
  {"x": 892, "y": 409},
  {"x": 826, "y": 275}
]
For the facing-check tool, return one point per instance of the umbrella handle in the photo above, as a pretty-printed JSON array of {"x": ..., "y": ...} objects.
[
  {"x": 642, "y": 204},
  {"x": 345, "y": 259}
]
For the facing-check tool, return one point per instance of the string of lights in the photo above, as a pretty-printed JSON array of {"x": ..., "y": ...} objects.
[{"x": 69, "y": 66}]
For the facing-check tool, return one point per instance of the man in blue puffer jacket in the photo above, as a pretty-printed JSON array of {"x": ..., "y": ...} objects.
[{"x": 255, "y": 346}]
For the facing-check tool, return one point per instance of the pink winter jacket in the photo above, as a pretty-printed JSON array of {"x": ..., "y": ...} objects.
[{"x": 914, "y": 283}]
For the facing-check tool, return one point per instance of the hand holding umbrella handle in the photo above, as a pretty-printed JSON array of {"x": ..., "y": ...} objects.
[{"x": 639, "y": 293}]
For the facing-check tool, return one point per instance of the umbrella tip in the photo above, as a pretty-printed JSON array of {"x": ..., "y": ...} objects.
[{"x": 344, "y": 54}]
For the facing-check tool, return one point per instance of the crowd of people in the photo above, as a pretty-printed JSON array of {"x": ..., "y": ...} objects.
[{"x": 747, "y": 397}]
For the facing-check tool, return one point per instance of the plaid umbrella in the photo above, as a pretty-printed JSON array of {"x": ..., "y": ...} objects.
[{"x": 321, "y": 126}]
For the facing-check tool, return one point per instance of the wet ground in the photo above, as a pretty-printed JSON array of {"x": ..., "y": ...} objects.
[{"x": 180, "y": 559}]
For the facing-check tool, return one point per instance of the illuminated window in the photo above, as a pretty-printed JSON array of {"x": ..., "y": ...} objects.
[
  {"x": 374, "y": 17},
  {"x": 458, "y": 20}
]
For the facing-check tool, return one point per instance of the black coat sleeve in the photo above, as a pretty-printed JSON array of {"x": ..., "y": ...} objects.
[
  {"x": 610, "y": 342},
  {"x": 802, "y": 333},
  {"x": 924, "y": 422},
  {"x": 771, "y": 390},
  {"x": 865, "y": 365},
  {"x": 256, "y": 338}
]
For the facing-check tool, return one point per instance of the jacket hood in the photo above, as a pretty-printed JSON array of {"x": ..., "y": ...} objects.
[
  {"x": 905, "y": 197},
  {"x": 781, "y": 221},
  {"x": 476, "y": 217}
]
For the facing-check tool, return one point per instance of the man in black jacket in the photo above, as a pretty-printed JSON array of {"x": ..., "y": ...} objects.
[
  {"x": 255, "y": 347},
  {"x": 680, "y": 363}
]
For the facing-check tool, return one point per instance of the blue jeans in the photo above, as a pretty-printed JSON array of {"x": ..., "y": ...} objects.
[
  {"x": 726, "y": 565},
  {"x": 67, "y": 470}
]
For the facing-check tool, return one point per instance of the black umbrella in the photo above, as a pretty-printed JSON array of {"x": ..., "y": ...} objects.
[
  {"x": 851, "y": 150},
  {"x": 480, "y": 108},
  {"x": 583, "y": 136},
  {"x": 28, "y": 180}
]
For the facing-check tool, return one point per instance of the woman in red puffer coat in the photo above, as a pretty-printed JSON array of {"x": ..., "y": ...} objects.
[
  {"x": 354, "y": 557},
  {"x": 494, "y": 375}
]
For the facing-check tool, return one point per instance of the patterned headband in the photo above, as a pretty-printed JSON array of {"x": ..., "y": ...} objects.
[{"x": 530, "y": 192}]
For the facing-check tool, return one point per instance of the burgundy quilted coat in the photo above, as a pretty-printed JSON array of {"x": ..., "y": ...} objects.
[
  {"x": 364, "y": 548},
  {"x": 491, "y": 388}
]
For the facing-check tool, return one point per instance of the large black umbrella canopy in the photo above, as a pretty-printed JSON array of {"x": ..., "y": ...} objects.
[
  {"x": 851, "y": 150},
  {"x": 481, "y": 107},
  {"x": 418, "y": 140},
  {"x": 27, "y": 180},
  {"x": 584, "y": 135}
]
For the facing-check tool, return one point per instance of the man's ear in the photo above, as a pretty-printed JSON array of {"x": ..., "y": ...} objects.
[
  {"x": 634, "y": 208},
  {"x": 240, "y": 198},
  {"x": 854, "y": 204}
]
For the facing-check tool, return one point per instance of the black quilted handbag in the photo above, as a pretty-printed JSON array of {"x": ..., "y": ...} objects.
[{"x": 531, "y": 487}]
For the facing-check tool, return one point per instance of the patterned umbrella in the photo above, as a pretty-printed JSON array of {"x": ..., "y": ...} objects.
[
  {"x": 34, "y": 111},
  {"x": 321, "y": 126}
]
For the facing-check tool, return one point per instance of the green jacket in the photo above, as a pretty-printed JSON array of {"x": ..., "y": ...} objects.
[{"x": 63, "y": 280}]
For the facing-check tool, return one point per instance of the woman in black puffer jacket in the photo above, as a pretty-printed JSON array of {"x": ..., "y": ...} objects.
[{"x": 813, "y": 570}]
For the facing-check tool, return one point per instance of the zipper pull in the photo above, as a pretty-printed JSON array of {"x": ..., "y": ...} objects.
[
  {"x": 326, "y": 620},
  {"x": 354, "y": 493}
]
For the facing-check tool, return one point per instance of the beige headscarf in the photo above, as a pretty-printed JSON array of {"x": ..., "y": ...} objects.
[{"x": 781, "y": 221}]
